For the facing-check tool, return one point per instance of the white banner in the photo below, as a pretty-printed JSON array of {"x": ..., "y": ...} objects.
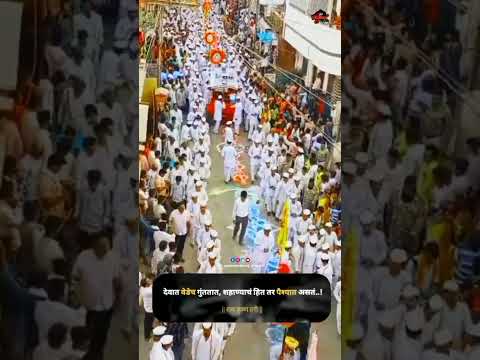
[
  {"x": 11, "y": 20},
  {"x": 142, "y": 122}
]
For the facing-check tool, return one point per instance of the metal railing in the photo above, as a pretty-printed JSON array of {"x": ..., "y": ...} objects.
[
  {"x": 171, "y": 2},
  {"x": 275, "y": 20}
]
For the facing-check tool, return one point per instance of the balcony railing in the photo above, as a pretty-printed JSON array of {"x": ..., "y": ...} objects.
[
  {"x": 310, "y": 7},
  {"x": 149, "y": 4},
  {"x": 275, "y": 20}
]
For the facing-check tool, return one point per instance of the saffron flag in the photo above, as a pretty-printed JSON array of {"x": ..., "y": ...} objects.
[
  {"x": 284, "y": 223},
  {"x": 350, "y": 265}
]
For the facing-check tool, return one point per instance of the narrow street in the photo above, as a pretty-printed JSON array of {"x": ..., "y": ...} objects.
[{"x": 246, "y": 336}]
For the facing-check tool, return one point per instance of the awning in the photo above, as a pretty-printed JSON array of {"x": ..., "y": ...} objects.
[{"x": 267, "y": 37}]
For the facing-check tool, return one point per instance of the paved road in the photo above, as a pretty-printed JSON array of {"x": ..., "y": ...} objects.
[{"x": 249, "y": 339}]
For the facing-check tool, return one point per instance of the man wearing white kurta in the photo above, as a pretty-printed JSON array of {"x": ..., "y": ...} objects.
[
  {"x": 217, "y": 113},
  {"x": 211, "y": 266},
  {"x": 253, "y": 118},
  {"x": 255, "y": 154},
  {"x": 264, "y": 244},
  {"x": 455, "y": 313},
  {"x": 205, "y": 252},
  {"x": 381, "y": 136},
  {"x": 303, "y": 224},
  {"x": 324, "y": 267},
  {"x": 206, "y": 344},
  {"x": 92, "y": 23},
  {"x": 229, "y": 137},
  {"x": 225, "y": 330},
  {"x": 474, "y": 333},
  {"x": 337, "y": 294},
  {"x": 156, "y": 351},
  {"x": 281, "y": 195},
  {"x": 373, "y": 247},
  {"x": 229, "y": 155},
  {"x": 271, "y": 183},
  {"x": 298, "y": 254},
  {"x": 408, "y": 343},
  {"x": 310, "y": 257},
  {"x": 238, "y": 116},
  {"x": 166, "y": 352},
  {"x": 378, "y": 344}
]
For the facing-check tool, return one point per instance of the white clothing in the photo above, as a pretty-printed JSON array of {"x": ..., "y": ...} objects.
[
  {"x": 146, "y": 296},
  {"x": 309, "y": 260},
  {"x": 94, "y": 279},
  {"x": 263, "y": 248},
  {"x": 337, "y": 294},
  {"x": 48, "y": 313},
  {"x": 179, "y": 222},
  {"x": 206, "y": 268},
  {"x": 206, "y": 349},
  {"x": 241, "y": 208}
]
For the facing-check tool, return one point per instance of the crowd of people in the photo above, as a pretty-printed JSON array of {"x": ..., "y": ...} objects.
[
  {"x": 68, "y": 196},
  {"x": 410, "y": 197},
  {"x": 289, "y": 158}
]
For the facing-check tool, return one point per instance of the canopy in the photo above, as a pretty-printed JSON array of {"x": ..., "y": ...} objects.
[
  {"x": 267, "y": 36},
  {"x": 171, "y": 76}
]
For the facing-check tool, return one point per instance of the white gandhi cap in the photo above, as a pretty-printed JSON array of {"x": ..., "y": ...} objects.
[
  {"x": 451, "y": 286},
  {"x": 207, "y": 325},
  {"x": 387, "y": 319},
  {"x": 398, "y": 256},
  {"x": 267, "y": 227},
  {"x": 166, "y": 340},
  {"x": 159, "y": 330},
  {"x": 324, "y": 257}
]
